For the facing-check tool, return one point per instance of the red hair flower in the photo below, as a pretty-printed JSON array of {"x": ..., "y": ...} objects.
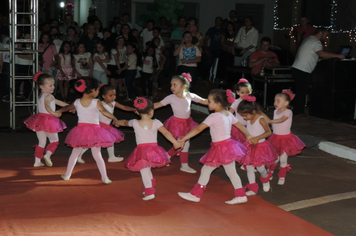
[
  {"x": 80, "y": 88},
  {"x": 187, "y": 76},
  {"x": 249, "y": 98},
  {"x": 291, "y": 95},
  {"x": 140, "y": 103},
  {"x": 230, "y": 96},
  {"x": 243, "y": 80},
  {"x": 35, "y": 77},
  {"x": 101, "y": 85}
]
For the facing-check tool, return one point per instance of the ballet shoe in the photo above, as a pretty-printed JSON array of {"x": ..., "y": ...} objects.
[
  {"x": 64, "y": 177},
  {"x": 281, "y": 181},
  {"x": 237, "y": 200},
  {"x": 48, "y": 160},
  {"x": 250, "y": 193},
  {"x": 115, "y": 159},
  {"x": 38, "y": 164},
  {"x": 107, "y": 181},
  {"x": 188, "y": 170},
  {"x": 80, "y": 160},
  {"x": 189, "y": 197},
  {"x": 149, "y": 197},
  {"x": 266, "y": 186}
]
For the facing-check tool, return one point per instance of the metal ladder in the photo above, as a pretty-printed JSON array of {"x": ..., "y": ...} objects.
[{"x": 32, "y": 14}]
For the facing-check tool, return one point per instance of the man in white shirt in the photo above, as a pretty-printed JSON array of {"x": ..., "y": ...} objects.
[
  {"x": 245, "y": 42},
  {"x": 305, "y": 61}
]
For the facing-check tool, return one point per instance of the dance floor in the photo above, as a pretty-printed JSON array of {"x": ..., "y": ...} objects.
[{"x": 36, "y": 201}]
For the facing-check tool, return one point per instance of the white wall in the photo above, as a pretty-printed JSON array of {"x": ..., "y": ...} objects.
[{"x": 209, "y": 9}]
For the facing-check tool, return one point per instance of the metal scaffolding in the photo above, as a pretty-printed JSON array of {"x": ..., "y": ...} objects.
[{"x": 31, "y": 13}]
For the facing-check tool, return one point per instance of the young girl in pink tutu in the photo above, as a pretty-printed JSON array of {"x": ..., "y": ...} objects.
[
  {"x": 243, "y": 88},
  {"x": 286, "y": 143},
  {"x": 261, "y": 151},
  {"x": 147, "y": 154},
  {"x": 88, "y": 133},
  {"x": 107, "y": 95},
  {"x": 46, "y": 123},
  {"x": 224, "y": 150},
  {"x": 181, "y": 123},
  {"x": 65, "y": 68}
]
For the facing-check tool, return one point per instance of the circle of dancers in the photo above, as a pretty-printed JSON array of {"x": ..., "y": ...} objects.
[{"x": 239, "y": 130}]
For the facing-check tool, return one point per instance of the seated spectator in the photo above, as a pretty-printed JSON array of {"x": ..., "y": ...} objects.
[
  {"x": 245, "y": 42},
  {"x": 233, "y": 19},
  {"x": 263, "y": 57}
]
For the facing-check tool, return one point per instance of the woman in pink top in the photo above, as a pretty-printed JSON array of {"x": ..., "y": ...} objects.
[
  {"x": 147, "y": 154},
  {"x": 48, "y": 49},
  {"x": 181, "y": 123},
  {"x": 261, "y": 151},
  {"x": 286, "y": 143},
  {"x": 224, "y": 150}
]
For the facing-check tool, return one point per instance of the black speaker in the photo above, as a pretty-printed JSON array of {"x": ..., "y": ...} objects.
[{"x": 333, "y": 90}]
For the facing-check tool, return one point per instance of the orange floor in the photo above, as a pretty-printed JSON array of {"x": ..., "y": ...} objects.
[{"x": 36, "y": 201}]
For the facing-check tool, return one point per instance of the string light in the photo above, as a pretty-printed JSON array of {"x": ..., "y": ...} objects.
[{"x": 352, "y": 35}]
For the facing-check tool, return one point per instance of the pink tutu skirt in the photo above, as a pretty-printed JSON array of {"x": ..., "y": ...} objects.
[
  {"x": 223, "y": 153},
  {"x": 263, "y": 153},
  {"x": 45, "y": 122},
  {"x": 86, "y": 135},
  {"x": 237, "y": 134},
  {"x": 68, "y": 72},
  {"x": 179, "y": 127},
  {"x": 147, "y": 155},
  {"x": 290, "y": 144},
  {"x": 119, "y": 136}
]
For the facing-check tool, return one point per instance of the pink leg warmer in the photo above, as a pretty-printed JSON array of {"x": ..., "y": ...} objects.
[
  {"x": 283, "y": 171},
  {"x": 240, "y": 192},
  {"x": 183, "y": 157},
  {"x": 52, "y": 147},
  {"x": 252, "y": 187},
  {"x": 39, "y": 151},
  {"x": 149, "y": 191},
  {"x": 266, "y": 179},
  {"x": 198, "y": 190},
  {"x": 172, "y": 152}
]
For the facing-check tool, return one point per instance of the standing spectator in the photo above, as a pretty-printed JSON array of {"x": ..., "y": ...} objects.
[
  {"x": 107, "y": 40},
  {"x": 147, "y": 34},
  {"x": 189, "y": 55},
  {"x": 156, "y": 32},
  {"x": 5, "y": 69},
  {"x": 101, "y": 59},
  {"x": 115, "y": 20},
  {"x": 54, "y": 23},
  {"x": 305, "y": 61},
  {"x": 177, "y": 34},
  {"x": 126, "y": 20},
  {"x": 89, "y": 38},
  {"x": 233, "y": 19},
  {"x": 125, "y": 33},
  {"x": 263, "y": 57},
  {"x": 166, "y": 32},
  {"x": 44, "y": 28},
  {"x": 92, "y": 15},
  {"x": 198, "y": 38},
  {"x": 83, "y": 62},
  {"x": 98, "y": 26},
  {"x": 116, "y": 33},
  {"x": 68, "y": 21},
  {"x": 54, "y": 32},
  {"x": 303, "y": 31},
  {"x": 213, "y": 50},
  {"x": 71, "y": 37},
  {"x": 47, "y": 57},
  {"x": 245, "y": 42},
  {"x": 226, "y": 58}
]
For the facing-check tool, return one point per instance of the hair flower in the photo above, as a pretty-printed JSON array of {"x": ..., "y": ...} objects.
[
  {"x": 230, "y": 96},
  {"x": 140, "y": 103},
  {"x": 187, "y": 76},
  {"x": 243, "y": 80},
  {"x": 80, "y": 88},
  {"x": 35, "y": 77},
  {"x": 290, "y": 94},
  {"x": 249, "y": 98}
]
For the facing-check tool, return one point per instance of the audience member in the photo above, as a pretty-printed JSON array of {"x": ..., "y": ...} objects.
[
  {"x": 303, "y": 31},
  {"x": 98, "y": 26},
  {"x": 68, "y": 21},
  {"x": 226, "y": 58},
  {"x": 90, "y": 39},
  {"x": 147, "y": 34},
  {"x": 234, "y": 20},
  {"x": 263, "y": 57},
  {"x": 245, "y": 42},
  {"x": 125, "y": 19}
]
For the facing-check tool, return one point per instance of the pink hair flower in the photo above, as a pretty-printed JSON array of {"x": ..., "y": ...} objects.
[
  {"x": 230, "y": 96},
  {"x": 243, "y": 80},
  {"x": 249, "y": 98},
  {"x": 140, "y": 103},
  {"x": 80, "y": 88},
  {"x": 291, "y": 95},
  {"x": 35, "y": 77},
  {"x": 101, "y": 85},
  {"x": 187, "y": 76}
]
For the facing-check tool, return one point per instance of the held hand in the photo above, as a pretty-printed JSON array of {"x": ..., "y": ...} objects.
[
  {"x": 136, "y": 112},
  {"x": 118, "y": 71},
  {"x": 116, "y": 123},
  {"x": 177, "y": 145},
  {"x": 184, "y": 61},
  {"x": 57, "y": 114},
  {"x": 253, "y": 140},
  {"x": 181, "y": 142},
  {"x": 108, "y": 72},
  {"x": 72, "y": 111}
]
